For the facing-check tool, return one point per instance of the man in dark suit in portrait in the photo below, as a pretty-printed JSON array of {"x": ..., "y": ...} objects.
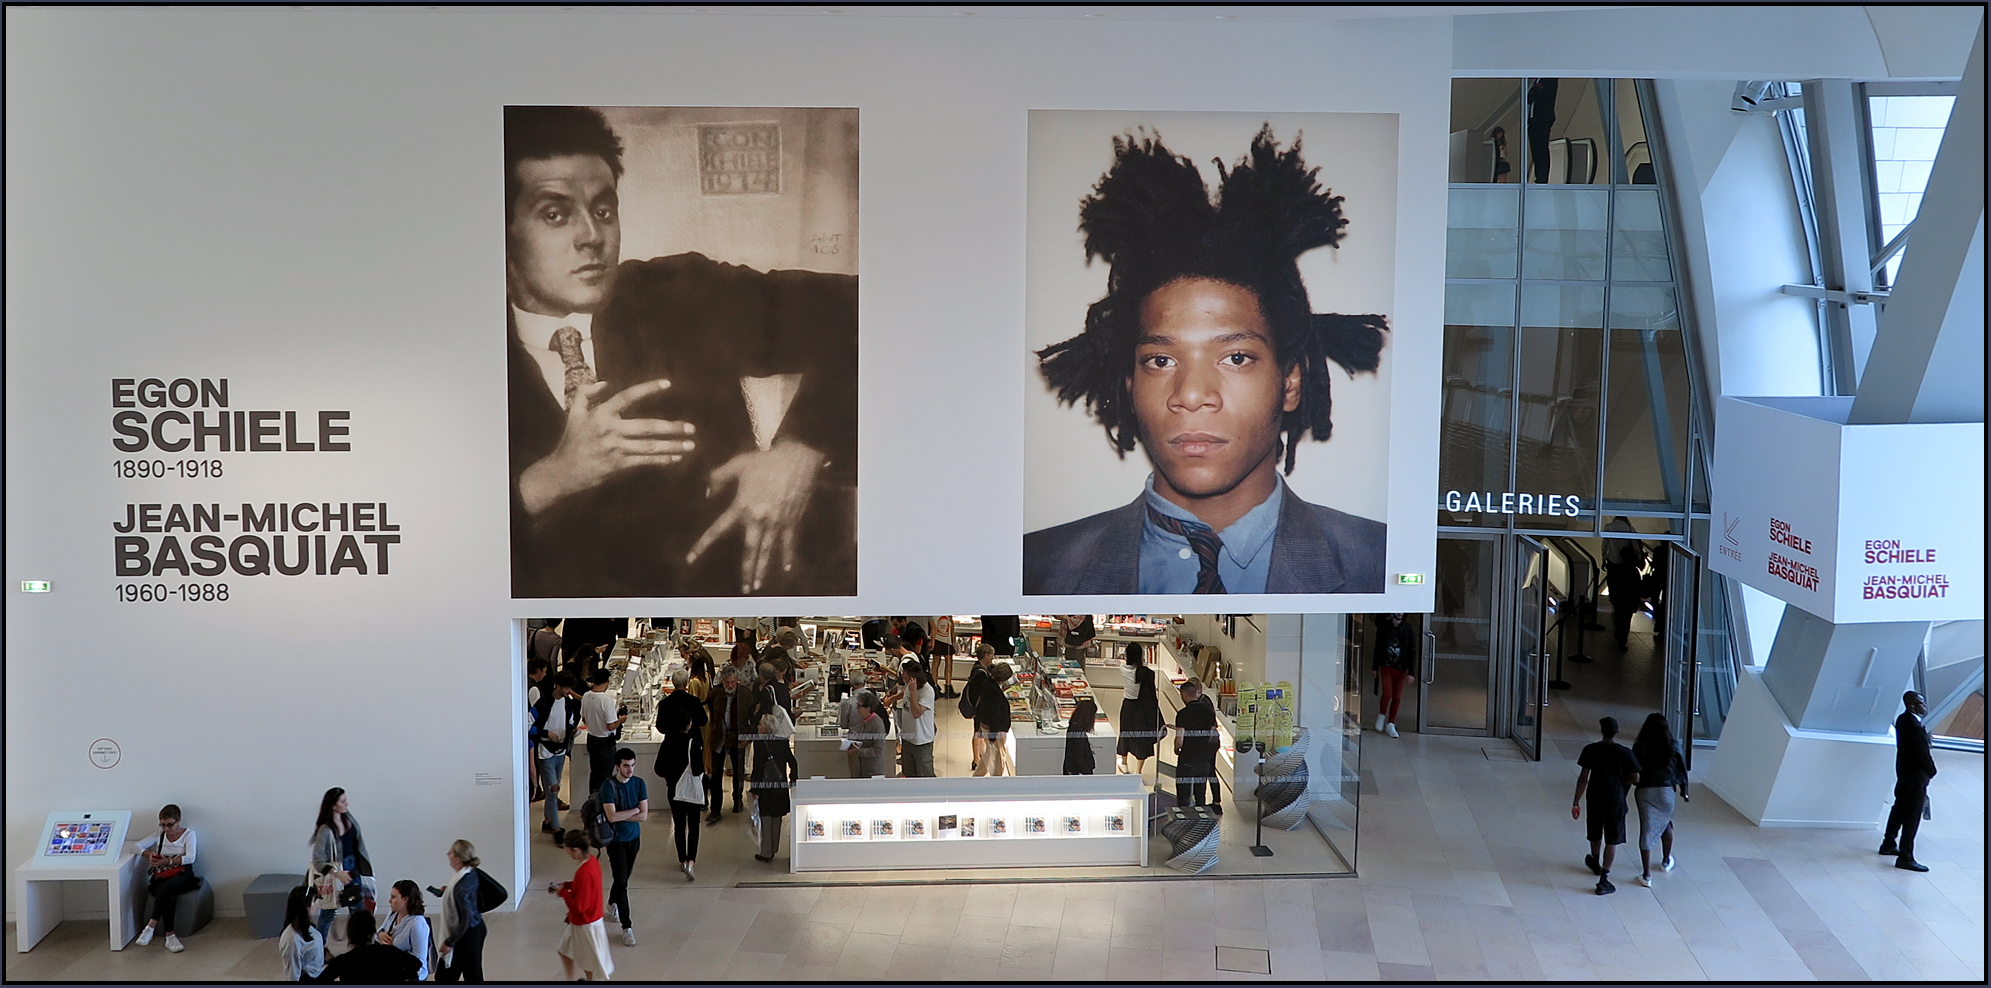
[
  {"x": 640, "y": 391},
  {"x": 1206, "y": 351},
  {"x": 1914, "y": 766}
]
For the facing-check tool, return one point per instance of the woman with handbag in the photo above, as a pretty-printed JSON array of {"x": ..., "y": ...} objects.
[
  {"x": 169, "y": 860},
  {"x": 1140, "y": 712},
  {"x": 338, "y": 860},
  {"x": 992, "y": 721},
  {"x": 774, "y": 771},
  {"x": 681, "y": 719},
  {"x": 463, "y": 922}
]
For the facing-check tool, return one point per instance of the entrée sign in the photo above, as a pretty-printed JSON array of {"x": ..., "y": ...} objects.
[{"x": 1512, "y": 503}]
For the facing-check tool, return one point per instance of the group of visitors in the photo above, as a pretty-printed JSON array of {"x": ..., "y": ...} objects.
[
  {"x": 402, "y": 946},
  {"x": 1654, "y": 768}
]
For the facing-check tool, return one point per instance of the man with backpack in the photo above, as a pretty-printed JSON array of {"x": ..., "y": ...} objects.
[
  {"x": 625, "y": 801},
  {"x": 556, "y": 719}
]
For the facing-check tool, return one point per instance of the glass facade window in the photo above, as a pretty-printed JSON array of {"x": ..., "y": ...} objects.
[
  {"x": 1478, "y": 392},
  {"x": 1646, "y": 428},
  {"x": 1557, "y": 391},
  {"x": 1587, "y": 382},
  {"x": 1905, "y": 131},
  {"x": 1566, "y": 372},
  {"x": 1565, "y": 234},
  {"x": 1481, "y": 228}
]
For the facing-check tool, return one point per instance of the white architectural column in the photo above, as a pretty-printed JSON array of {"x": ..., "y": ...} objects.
[{"x": 1865, "y": 516}]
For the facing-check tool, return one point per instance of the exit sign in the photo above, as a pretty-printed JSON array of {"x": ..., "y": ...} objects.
[
  {"x": 1409, "y": 579},
  {"x": 34, "y": 586}
]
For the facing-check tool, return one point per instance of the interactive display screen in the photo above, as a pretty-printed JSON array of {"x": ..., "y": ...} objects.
[{"x": 80, "y": 837}]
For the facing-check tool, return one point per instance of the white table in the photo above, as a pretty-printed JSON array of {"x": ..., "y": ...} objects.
[
  {"x": 38, "y": 896},
  {"x": 1110, "y": 813},
  {"x": 1044, "y": 754}
]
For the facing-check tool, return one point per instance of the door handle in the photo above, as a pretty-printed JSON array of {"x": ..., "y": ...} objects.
[{"x": 1430, "y": 655}]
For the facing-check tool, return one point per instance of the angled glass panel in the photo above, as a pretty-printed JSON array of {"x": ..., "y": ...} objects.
[
  {"x": 1478, "y": 391},
  {"x": 1639, "y": 166},
  {"x": 1482, "y": 231},
  {"x": 1566, "y": 138},
  {"x": 1638, "y": 239},
  {"x": 1486, "y": 130},
  {"x": 1560, "y": 373},
  {"x": 1564, "y": 240},
  {"x": 1646, "y": 427}
]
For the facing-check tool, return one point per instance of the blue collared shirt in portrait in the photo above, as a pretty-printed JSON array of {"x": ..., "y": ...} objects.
[{"x": 1168, "y": 565}]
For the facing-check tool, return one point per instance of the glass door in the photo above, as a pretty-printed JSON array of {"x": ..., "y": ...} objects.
[
  {"x": 1528, "y": 645},
  {"x": 1676, "y": 615},
  {"x": 1455, "y": 681}
]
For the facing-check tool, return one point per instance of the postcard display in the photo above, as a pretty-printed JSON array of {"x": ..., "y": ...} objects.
[{"x": 1004, "y": 822}]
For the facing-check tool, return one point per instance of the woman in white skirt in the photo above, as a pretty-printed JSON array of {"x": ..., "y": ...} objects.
[
  {"x": 1662, "y": 772},
  {"x": 584, "y": 948}
]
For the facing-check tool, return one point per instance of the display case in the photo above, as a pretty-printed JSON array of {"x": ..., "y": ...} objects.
[{"x": 1006, "y": 822}]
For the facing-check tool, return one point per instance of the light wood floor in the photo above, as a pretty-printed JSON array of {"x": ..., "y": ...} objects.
[{"x": 1470, "y": 869}]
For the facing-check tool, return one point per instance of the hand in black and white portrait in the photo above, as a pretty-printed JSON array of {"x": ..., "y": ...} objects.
[
  {"x": 772, "y": 489},
  {"x": 599, "y": 443}
]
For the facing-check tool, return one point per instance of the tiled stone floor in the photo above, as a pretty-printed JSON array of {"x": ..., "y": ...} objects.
[{"x": 1470, "y": 869}]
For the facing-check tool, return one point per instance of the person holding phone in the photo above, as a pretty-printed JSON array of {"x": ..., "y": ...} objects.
[
  {"x": 912, "y": 706},
  {"x": 169, "y": 863},
  {"x": 584, "y": 947},
  {"x": 462, "y": 952}
]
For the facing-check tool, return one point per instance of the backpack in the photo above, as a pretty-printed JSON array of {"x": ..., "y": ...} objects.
[
  {"x": 490, "y": 895},
  {"x": 594, "y": 823},
  {"x": 966, "y": 704}
]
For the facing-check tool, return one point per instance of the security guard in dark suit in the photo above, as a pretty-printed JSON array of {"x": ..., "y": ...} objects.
[{"x": 1914, "y": 766}]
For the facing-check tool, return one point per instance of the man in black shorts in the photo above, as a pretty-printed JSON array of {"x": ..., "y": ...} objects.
[{"x": 1609, "y": 770}]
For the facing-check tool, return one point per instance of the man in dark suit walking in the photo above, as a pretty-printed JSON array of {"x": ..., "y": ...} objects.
[{"x": 1914, "y": 766}]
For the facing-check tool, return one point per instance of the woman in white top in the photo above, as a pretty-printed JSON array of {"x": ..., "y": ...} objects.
[
  {"x": 301, "y": 947},
  {"x": 407, "y": 928},
  {"x": 169, "y": 862}
]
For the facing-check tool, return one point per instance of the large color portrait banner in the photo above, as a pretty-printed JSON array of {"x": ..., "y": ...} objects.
[{"x": 1212, "y": 346}]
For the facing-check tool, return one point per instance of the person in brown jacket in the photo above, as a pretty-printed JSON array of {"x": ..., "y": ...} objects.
[{"x": 729, "y": 710}]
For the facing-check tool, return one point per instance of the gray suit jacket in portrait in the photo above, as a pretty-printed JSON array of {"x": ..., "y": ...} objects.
[{"x": 1316, "y": 550}]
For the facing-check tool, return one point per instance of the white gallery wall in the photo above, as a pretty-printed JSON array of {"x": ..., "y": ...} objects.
[{"x": 307, "y": 204}]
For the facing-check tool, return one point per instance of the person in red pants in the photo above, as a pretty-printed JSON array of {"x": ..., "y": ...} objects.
[{"x": 1396, "y": 658}]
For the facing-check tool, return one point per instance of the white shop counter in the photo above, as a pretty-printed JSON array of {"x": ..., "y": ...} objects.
[
  {"x": 1044, "y": 753},
  {"x": 1019, "y": 821}
]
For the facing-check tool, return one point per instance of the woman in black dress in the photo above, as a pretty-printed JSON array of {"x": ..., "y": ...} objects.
[
  {"x": 774, "y": 773},
  {"x": 1078, "y": 738},
  {"x": 681, "y": 720},
  {"x": 1140, "y": 712}
]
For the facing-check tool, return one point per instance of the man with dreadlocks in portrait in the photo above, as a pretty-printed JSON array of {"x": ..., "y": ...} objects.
[{"x": 1207, "y": 352}]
